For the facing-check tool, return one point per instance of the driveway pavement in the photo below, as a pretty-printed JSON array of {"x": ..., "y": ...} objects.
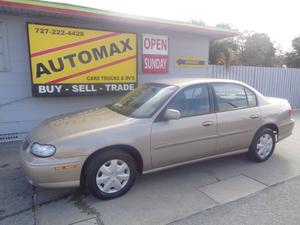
[
  {"x": 159, "y": 198},
  {"x": 276, "y": 205}
]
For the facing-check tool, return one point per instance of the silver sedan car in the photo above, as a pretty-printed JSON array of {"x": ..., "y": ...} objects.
[{"x": 157, "y": 126}]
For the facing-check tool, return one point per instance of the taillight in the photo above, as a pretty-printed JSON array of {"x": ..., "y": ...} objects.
[{"x": 290, "y": 110}]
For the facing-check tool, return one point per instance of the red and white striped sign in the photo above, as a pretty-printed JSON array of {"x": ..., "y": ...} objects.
[{"x": 155, "y": 54}]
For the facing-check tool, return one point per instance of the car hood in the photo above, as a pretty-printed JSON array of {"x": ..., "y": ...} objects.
[{"x": 65, "y": 125}]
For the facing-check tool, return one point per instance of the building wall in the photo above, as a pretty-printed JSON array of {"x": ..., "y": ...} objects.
[{"x": 19, "y": 112}]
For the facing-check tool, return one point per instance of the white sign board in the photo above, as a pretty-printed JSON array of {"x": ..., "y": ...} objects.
[{"x": 155, "y": 53}]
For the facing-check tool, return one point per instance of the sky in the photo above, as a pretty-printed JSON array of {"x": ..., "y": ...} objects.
[{"x": 278, "y": 19}]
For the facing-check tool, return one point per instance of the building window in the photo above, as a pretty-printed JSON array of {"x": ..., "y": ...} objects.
[{"x": 4, "y": 62}]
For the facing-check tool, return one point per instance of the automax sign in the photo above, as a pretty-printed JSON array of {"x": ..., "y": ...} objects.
[
  {"x": 155, "y": 53},
  {"x": 68, "y": 61}
]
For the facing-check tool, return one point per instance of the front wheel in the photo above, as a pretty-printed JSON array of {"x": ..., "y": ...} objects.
[
  {"x": 110, "y": 174},
  {"x": 262, "y": 146}
]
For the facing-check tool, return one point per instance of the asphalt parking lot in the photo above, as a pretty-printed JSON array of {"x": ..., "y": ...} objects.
[{"x": 159, "y": 198}]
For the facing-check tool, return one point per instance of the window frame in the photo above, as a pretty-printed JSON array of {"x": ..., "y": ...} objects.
[
  {"x": 254, "y": 94},
  {"x": 216, "y": 105},
  {"x": 160, "y": 118}
]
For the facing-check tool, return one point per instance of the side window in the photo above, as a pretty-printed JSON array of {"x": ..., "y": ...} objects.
[
  {"x": 252, "y": 101},
  {"x": 192, "y": 101},
  {"x": 230, "y": 96}
]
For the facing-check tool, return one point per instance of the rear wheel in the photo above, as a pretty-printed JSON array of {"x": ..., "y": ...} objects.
[
  {"x": 263, "y": 145},
  {"x": 110, "y": 174}
]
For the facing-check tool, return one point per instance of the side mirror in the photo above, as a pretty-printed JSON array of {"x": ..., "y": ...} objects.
[{"x": 172, "y": 114}]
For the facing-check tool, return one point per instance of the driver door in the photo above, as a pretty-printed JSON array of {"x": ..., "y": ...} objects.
[{"x": 192, "y": 136}]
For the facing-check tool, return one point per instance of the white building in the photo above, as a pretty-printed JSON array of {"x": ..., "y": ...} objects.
[{"x": 182, "y": 50}]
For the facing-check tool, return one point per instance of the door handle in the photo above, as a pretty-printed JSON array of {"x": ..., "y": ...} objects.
[
  {"x": 254, "y": 116},
  {"x": 207, "y": 123}
]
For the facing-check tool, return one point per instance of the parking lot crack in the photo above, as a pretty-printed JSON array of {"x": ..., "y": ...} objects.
[
  {"x": 15, "y": 213},
  {"x": 34, "y": 205},
  {"x": 4, "y": 165},
  {"x": 84, "y": 207},
  {"x": 255, "y": 180}
]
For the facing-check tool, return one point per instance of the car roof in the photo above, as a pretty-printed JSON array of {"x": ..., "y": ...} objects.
[{"x": 181, "y": 82}]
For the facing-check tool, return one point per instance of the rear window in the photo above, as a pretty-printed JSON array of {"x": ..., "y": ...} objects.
[{"x": 230, "y": 96}]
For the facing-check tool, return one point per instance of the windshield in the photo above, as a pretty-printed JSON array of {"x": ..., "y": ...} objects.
[{"x": 144, "y": 101}]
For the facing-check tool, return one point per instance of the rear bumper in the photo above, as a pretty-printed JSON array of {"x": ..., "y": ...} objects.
[
  {"x": 286, "y": 130},
  {"x": 51, "y": 172}
]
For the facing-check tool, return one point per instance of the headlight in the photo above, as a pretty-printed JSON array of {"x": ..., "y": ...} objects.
[{"x": 42, "y": 150}]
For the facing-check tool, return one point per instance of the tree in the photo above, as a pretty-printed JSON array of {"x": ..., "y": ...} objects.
[
  {"x": 258, "y": 50},
  {"x": 279, "y": 58},
  {"x": 223, "y": 52},
  {"x": 224, "y": 26},
  {"x": 198, "y": 22},
  {"x": 248, "y": 49},
  {"x": 296, "y": 44},
  {"x": 292, "y": 58}
]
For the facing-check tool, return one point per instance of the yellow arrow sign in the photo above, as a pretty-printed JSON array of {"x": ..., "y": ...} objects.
[{"x": 190, "y": 62}]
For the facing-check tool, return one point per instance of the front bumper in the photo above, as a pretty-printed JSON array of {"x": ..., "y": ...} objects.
[{"x": 51, "y": 172}]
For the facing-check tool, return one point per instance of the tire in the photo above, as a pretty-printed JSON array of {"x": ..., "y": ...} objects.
[
  {"x": 262, "y": 145},
  {"x": 111, "y": 168}
]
